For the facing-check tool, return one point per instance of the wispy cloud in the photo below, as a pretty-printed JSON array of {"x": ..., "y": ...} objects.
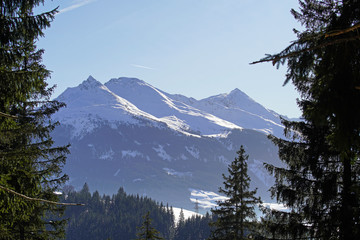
[
  {"x": 76, "y": 5},
  {"x": 141, "y": 66}
]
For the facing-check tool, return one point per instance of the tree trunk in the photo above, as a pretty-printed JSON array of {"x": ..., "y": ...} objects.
[{"x": 347, "y": 214}]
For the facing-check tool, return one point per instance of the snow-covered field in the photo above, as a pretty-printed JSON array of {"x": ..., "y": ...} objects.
[
  {"x": 208, "y": 200},
  {"x": 205, "y": 199},
  {"x": 187, "y": 214},
  {"x": 276, "y": 206}
]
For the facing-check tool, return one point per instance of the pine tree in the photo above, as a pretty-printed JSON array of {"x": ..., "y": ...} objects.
[
  {"x": 236, "y": 215},
  {"x": 181, "y": 217},
  {"x": 321, "y": 183},
  {"x": 30, "y": 165},
  {"x": 146, "y": 231},
  {"x": 179, "y": 234}
]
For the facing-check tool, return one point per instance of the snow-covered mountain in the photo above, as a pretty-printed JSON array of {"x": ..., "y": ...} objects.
[
  {"x": 160, "y": 105},
  {"x": 128, "y": 133},
  {"x": 92, "y": 102},
  {"x": 128, "y": 99},
  {"x": 240, "y": 109}
]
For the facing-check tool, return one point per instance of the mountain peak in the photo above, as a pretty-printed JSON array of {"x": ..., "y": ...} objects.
[
  {"x": 125, "y": 81},
  {"x": 237, "y": 92},
  {"x": 91, "y": 78},
  {"x": 90, "y": 83}
]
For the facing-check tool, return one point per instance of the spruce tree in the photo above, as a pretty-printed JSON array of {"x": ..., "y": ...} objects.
[
  {"x": 30, "y": 164},
  {"x": 236, "y": 215},
  {"x": 146, "y": 231},
  {"x": 181, "y": 217},
  {"x": 321, "y": 183}
]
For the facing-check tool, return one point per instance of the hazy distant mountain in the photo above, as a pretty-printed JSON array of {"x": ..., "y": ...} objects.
[{"x": 170, "y": 147}]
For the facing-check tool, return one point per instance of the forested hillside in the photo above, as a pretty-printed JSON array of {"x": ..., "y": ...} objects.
[
  {"x": 113, "y": 217},
  {"x": 121, "y": 215}
]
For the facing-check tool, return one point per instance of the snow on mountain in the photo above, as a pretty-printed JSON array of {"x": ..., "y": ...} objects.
[
  {"x": 158, "y": 104},
  {"x": 127, "y": 100},
  {"x": 91, "y": 103},
  {"x": 187, "y": 214},
  {"x": 206, "y": 199},
  {"x": 276, "y": 206},
  {"x": 240, "y": 109}
]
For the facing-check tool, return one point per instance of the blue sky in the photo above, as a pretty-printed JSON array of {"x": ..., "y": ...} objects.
[{"x": 197, "y": 48}]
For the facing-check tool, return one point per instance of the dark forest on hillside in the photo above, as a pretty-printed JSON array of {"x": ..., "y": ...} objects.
[{"x": 119, "y": 217}]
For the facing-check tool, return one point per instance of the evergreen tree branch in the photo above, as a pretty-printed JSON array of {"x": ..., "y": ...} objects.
[
  {"x": 39, "y": 199},
  {"x": 7, "y": 115},
  {"x": 276, "y": 58},
  {"x": 339, "y": 32}
]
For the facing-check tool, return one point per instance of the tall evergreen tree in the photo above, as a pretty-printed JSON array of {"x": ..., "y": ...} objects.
[
  {"x": 321, "y": 183},
  {"x": 236, "y": 216},
  {"x": 181, "y": 217},
  {"x": 29, "y": 164},
  {"x": 146, "y": 231}
]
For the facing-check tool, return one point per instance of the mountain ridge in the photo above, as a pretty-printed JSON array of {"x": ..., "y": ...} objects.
[{"x": 209, "y": 116}]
